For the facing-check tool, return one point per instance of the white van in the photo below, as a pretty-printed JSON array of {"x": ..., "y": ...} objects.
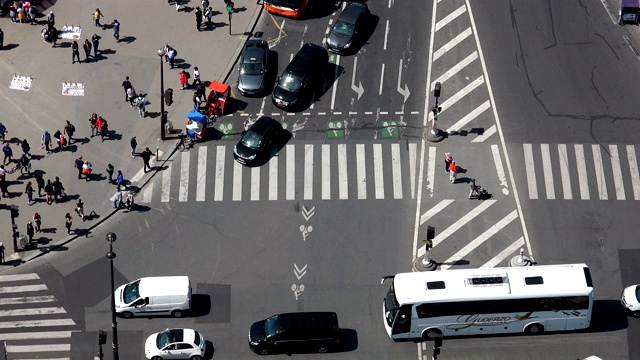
[{"x": 162, "y": 295}]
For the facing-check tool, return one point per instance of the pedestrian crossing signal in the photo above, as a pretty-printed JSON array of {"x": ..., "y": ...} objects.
[
  {"x": 168, "y": 97},
  {"x": 230, "y": 7}
]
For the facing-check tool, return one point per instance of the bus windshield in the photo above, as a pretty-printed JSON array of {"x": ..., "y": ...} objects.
[
  {"x": 391, "y": 305},
  {"x": 291, "y": 4}
]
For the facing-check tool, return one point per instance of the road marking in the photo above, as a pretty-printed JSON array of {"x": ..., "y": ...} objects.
[
  {"x": 237, "y": 181},
  {"x": 326, "y": 171},
  {"x": 386, "y": 34},
  {"x": 378, "y": 174},
  {"x": 384, "y": 113},
  {"x": 381, "y": 79},
  {"x": 608, "y": 10},
  {"x": 202, "y": 173},
  {"x": 469, "y": 117},
  {"x": 599, "y": 167},
  {"x": 36, "y": 335},
  {"x": 255, "y": 183},
  {"x": 27, "y": 300},
  {"x": 22, "y": 288},
  {"x": 459, "y": 95},
  {"x": 165, "y": 195},
  {"x": 633, "y": 169},
  {"x": 504, "y": 254},
  {"x": 564, "y": 171},
  {"x": 531, "y": 171},
  {"x": 547, "y": 170},
  {"x": 290, "y": 175},
  {"x": 582, "y": 172},
  {"x": 617, "y": 172},
  {"x": 19, "y": 277},
  {"x": 412, "y": 168},
  {"x": 404, "y": 92},
  {"x": 358, "y": 89},
  {"x": 361, "y": 172},
  {"x": 479, "y": 240},
  {"x": 308, "y": 171},
  {"x": 449, "y": 18},
  {"x": 337, "y": 113},
  {"x": 396, "y": 171},
  {"x": 38, "y": 348},
  {"x": 335, "y": 83},
  {"x": 486, "y": 134},
  {"x": 147, "y": 194},
  {"x": 343, "y": 189},
  {"x": 497, "y": 160},
  {"x": 218, "y": 190},
  {"x": 183, "y": 193},
  {"x": 32, "y": 311},
  {"x": 431, "y": 170},
  {"x": 455, "y": 69},
  {"x": 434, "y": 210},
  {"x": 273, "y": 178},
  {"x": 35, "y": 323},
  {"x": 451, "y": 44}
]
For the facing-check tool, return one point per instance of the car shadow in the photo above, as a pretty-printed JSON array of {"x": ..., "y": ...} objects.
[{"x": 332, "y": 74}]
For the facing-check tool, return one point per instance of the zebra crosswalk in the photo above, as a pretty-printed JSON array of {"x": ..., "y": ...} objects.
[
  {"x": 582, "y": 171},
  {"x": 384, "y": 170},
  {"x": 32, "y": 326}
]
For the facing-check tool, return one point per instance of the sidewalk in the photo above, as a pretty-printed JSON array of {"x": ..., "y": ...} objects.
[{"x": 27, "y": 114}]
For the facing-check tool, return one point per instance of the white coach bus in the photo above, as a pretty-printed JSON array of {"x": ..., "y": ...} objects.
[{"x": 531, "y": 299}]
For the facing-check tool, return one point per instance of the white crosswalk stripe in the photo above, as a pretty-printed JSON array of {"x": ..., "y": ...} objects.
[
  {"x": 357, "y": 171},
  {"x": 48, "y": 327},
  {"x": 597, "y": 169}
]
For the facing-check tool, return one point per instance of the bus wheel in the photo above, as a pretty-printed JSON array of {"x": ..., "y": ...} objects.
[
  {"x": 534, "y": 329},
  {"x": 431, "y": 334}
]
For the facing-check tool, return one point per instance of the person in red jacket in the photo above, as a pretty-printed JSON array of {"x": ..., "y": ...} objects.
[{"x": 183, "y": 80}]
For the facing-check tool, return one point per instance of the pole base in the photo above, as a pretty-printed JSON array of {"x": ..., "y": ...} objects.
[
  {"x": 520, "y": 261},
  {"x": 429, "y": 135},
  {"x": 418, "y": 265}
]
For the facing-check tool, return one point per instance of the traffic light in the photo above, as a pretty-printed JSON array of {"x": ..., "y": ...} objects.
[
  {"x": 436, "y": 91},
  {"x": 168, "y": 96},
  {"x": 230, "y": 7},
  {"x": 14, "y": 211},
  {"x": 102, "y": 337}
]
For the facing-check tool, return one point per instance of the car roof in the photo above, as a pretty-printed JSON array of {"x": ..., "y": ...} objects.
[
  {"x": 262, "y": 125},
  {"x": 188, "y": 335},
  {"x": 351, "y": 13},
  {"x": 254, "y": 49},
  {"x": 305, "y": 321}
]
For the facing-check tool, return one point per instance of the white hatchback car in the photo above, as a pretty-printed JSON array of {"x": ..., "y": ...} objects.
[
  {"x": 631, "y": 300},
  {"x": 175, "y": 344}
]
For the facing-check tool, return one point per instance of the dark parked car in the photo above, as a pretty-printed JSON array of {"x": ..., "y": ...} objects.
[
  {"x": 295, "y": 332},
  {"x": 253, "y": 67},
  {"x": 258, "y": 143},
  {"x": 345, "y": 31}
]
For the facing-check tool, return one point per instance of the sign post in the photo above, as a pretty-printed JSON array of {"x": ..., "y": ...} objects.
[{"x": 230, "y": 11}]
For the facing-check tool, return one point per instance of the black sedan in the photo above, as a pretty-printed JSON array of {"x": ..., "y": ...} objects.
[
  {"x": 258, "y": 143},
  {"x": 253, "y": 67},
  {"x": 341, "y": 38}
]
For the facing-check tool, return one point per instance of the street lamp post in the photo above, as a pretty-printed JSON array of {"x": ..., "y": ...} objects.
[
  {"x": 111, "y": 237},
  {"x": 163, "y": 116}
]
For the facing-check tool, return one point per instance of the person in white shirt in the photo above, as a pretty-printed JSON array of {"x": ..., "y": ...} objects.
[{"x": 196, "y": 76}]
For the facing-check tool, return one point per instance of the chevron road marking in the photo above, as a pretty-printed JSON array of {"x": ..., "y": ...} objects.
[
  {"x": 470, "y": 117},
  {"x": 504, "y": 254},
  {"x": 434, "y": 210}
]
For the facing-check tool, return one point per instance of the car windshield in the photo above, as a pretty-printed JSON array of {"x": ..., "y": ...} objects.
[
  {"x": 169, "y": 336},
  {"x": 344, "y": 28},
  {"x": 196, "y": 340},
  {"x": 251, "y": 140},
  {"x": 638, "y": 293},
  {"x": 272, "y": 326},
  {"x": 131, "y": 292},
  {"x": 290, "y": 82},
  {"x": 252, "y": 68}
]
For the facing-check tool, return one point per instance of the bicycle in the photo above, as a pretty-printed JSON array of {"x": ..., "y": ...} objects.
[
  {"x": 185, "y": 143},
  {"x": 212, "y": 119}
]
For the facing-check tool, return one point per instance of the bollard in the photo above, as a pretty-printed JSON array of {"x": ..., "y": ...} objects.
[{"x": 520, "y": 260}]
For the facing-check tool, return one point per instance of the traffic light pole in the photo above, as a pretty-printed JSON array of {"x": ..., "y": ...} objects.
[
  {"x": 230, "y": 11},
  {"x": 163, "y": 115},
  {"x": 434, "y": 134}
]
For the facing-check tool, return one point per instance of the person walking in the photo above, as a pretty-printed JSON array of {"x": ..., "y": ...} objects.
[
  {"x": 92, "y": 121},
  {"x": 171, "y": 55},
  {"x": 46, "y": 141},
  {"x": 96, "y": 18},
  {"x": 130, "y": 200},
  {"x": 110, "y": 170},
  {"x": 48, "y": 190},
  {"x": 146, "y": 157},
  {"x": 120, "y": 180},
  {"x": 58, "y": 190},
  {"x": 196, "y": 101},
  {"x": 29, "y": 191},
  {"x": 68, "y": 221},
  {"x": 116, "y": 30},
  {"x": 40, "y": 182},
  {"x": 25, "y": 162},
  {"x": 134, "y": 144},
  {"x": 103, "y": 127},
  {"x": 183, "y": 80},
  {"x": 117, "y": 199},
  {"x": 198, "y": 17},
  {"x": 131, "y": 96},
  {"x": 75, "y": 52},
  {"x": 86, "y": 46},
  {"x": 4, "y": 185},
  {"x": 196, "y": 76},
  {"x": 37, "y": 221},
  {"x": 78, "y": 165},
  {"x": 126, "y": 85},
  {"x": 8, "y": 154},
  {"x": 1, "y": 39},
  {"x": 209, "y": 14},
  {"x": 30, "y": 231},
  {"x": 26, "y": 148},
  {"x": 53, "y": 33},
  {"x": 453, "y": 172},
  {"x": 141, "y": 102},
  {"x": 80, "y": 208},
  {"x": 205, "y": 4},
  {"x": 69, "y": 130},
  {"x": 60, "y": 139},
  {"x": 95, "y": 40},
  {"x": 87, "y": 168},
  {"x": 447, "y": 161},
  {"x": 51, "y": 20}
]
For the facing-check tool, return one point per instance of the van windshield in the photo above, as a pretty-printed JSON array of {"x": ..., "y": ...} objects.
[
  {"x": 131, "y": 292},
  {"x": 290, "y": 82},
  {"x": 272, "y": 326}
]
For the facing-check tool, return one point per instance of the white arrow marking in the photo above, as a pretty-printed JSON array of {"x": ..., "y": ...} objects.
[
  {"x": 299, "y": 273},
  {"x": 307, "y": 214},
  {"x": 404, "y": 92},
  {"x": 359, "y": 89}
]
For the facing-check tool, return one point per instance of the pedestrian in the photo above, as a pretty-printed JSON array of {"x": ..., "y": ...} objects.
[
  {"x": 205, "y": 4},
  {"x": 58, "y": 190},
  {"x": 183, "y": 80},
  {"x": 32, "y": 14},
  {"x": 1, "y": 254},
  {"x": 60, "y": 139},
  {"x": 96, "y": 18},
  {"x": 126, "y": 85},
  {"x": 134, "y": 144},
  {"x": 29, "y": 191},
  {"x": 95, "y": 40},
  {"x": 48, "y": 189},
  {"x": 146, "y": 157},
  {"x": 92, "y": 121},
  {"x": 13, "y": 13},
  {"x": 30, "y": 231},
  {"x": 447, "y": 161},
  {"x": 141, "y": 102},
  {"x": 120, "y": 180},
  {"x": 104, "y": 128},
  {"x": 4, "y": 185},
  {"x": 87, "y": 168},
  {"x": 26, "y": 148},
  {"x": 21, "y": 14},
  {"x": 51, "y": 20},
  {"x": 87, "y": 49},
  {"x": 40, "y": 182},
  {"x": 196, "y": 76},
  {"x": 453, "y": 172},
  {"x": 68, "y": 221},
  {"x": 78, "y": 165},
  {"x": 37, "y": 221},
  {"x": 110, "y": 170},
  {"x": 1, "y": 38},
  {"x": 69, "y": 130},
  {"x": 117, "y": 199},
  {"x": 80, "y": 208},
  {"x": 130, "y": 201},
  {"x": 209, "y": 14},
  {"x": 53, "y": 35},
  {"x": 3, "y": 132},
  {"x": 198, "y": 17},
  {"x": 8, "y": 154},
  {"x": 172, "y": 53},
  {"x": 196, "y": 101},
  {"x": 25, "y": 163},
  {"x": 131, "y": 95},
  {"x": 116, "y": 30},
  {"x": 75, "y": 52},
  {"x": 46, "y": 141}
]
